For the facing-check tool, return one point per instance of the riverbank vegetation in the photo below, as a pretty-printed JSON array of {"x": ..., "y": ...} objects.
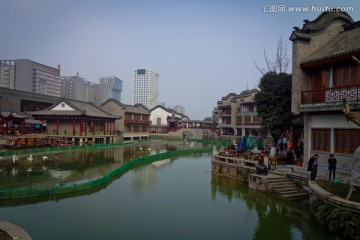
[
  {"x": 339, "y": 189},
  {"x": 342, "y": 222},
  {"x": 339, "y": 221}
]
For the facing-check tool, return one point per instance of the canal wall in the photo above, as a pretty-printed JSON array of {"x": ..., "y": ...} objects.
[{"x": 235, "y": 171}]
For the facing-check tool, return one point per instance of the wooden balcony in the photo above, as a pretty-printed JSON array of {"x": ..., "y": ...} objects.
[
  {"x": 137, "y": 121},
  {"x": 328, "y": 95}
]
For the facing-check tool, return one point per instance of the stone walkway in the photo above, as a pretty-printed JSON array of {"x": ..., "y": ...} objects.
[{"x": 14, "y": 231}]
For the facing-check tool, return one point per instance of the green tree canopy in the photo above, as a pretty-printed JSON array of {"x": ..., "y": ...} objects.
[{"x": 274, "y": 103}]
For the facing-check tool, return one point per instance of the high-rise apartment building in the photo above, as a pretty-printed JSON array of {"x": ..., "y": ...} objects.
[
  {"x": 73, "y": 87},
  {"x": 145, "y": 88},
  {"x": 93, "y": 93},
  {"x": 26, "y": 75},
  {"x": 111, "y": 88},
  {"x": 77, "y": 88}
]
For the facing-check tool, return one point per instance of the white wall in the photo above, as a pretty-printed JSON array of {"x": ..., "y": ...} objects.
[
  {"x": 331, "y": 121},
  {"x": 159, "y": 112}
]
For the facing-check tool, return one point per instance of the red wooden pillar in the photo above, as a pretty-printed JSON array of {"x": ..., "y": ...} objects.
[
  {"x": 73, "y": 128},
  {"x": 105, "y": 128},
  {"x": 81, "y": 127},
  {"x": 57, "y": 127},
  {"x": 86, "y": 130},
  {"x": 93, "y": 127}
]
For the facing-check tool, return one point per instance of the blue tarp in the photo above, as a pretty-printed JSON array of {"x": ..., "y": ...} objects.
[
  {"x": 251, "y": 143},
  {"x": 240, "y": 145},
  {"x": 260, "y": 144},
  {"x": 244, "y": 143}
]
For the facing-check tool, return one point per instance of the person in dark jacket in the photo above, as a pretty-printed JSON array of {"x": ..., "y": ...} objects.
[
  {"x": 311, "y": 161},
  {"x": 290, "y": 156},
  {"x": 332, "y": 166},
  {"x": 312, "y": 166}
]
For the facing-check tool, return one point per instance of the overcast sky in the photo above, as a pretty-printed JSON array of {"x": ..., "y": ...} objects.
[{"x": 202, "y": 49}]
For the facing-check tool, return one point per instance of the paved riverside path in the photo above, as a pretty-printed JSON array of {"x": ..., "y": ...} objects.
[{"x": 14, "y": 231}]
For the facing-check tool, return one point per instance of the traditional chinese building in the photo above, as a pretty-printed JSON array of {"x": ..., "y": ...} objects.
[
  {"x": 326, "y": 69},
  {"x": 18, "y": 130},
  {"x": 192, "y": 129},
  {"x": 236, "y": 114},
  {"x": 162, "y": 119},
  {"x": 135, "y": 121},
  {"x": 76, "y": 122}
]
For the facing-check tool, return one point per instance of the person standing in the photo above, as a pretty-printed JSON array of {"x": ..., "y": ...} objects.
[
  {"x": 281, "y": 147},
  {"x": 312, "y": 166},
  {"x": 332, "y": 166},
  {"x": 290, "y": 157}
]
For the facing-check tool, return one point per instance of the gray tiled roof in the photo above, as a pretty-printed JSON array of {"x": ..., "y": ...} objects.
[
  {"x": 300, "y": 35},
  {"x": 318, "y": 24},
  {"x": 169, "y": 110},
  {"x": 80, "y": 108},
  {"x": 324, "y": 19},
  {"x": 345, "y": 43},
  {"x": 13, "y": 114},
  {"x": 137, "y": 108}
]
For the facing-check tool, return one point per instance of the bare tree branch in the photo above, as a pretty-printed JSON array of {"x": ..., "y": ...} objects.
[
  {"x": 281, "y": 61},
  {"x": 262, "y": 71}
]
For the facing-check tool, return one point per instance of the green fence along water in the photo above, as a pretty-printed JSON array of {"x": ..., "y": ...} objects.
[{"x": 98, "y": 183}]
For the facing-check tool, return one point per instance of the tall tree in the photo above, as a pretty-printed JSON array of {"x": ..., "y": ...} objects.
[{"x": 274, "y": 103}]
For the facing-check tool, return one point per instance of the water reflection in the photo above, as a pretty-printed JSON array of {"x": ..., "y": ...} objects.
[
  {"x": 144, "y": 177},
  {"x": 48, "y": 170},
  {"x": 171, "y": 199},
  {"x": 277, "y": 219}
]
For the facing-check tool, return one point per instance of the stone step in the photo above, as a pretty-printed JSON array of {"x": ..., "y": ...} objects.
[
  {"x": 291, "y": 188},
  {"x": 294, "y": 191},
  {"x": 286, "y": 188},
  {"x": 284, "y": 181},
  {"x": 281, "y": 185},
  {"x": 293, "y": 195}
]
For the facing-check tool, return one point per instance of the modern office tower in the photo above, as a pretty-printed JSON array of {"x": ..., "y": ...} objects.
[
  {"x": 73, "y": 87},
  {"x": 26, "y": 75},
  {"x": 111, "y": 88},
  {"x": 145, "y": 88},
  {"x": 179, "y": 109}
]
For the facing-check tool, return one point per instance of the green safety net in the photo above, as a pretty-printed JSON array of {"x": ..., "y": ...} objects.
[{"x": 98, "y": 183}]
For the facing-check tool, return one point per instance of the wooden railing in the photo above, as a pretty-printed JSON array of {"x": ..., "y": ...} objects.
[
  {"x": 335, "y": 94},
  {"x": 137, "y": 121}
]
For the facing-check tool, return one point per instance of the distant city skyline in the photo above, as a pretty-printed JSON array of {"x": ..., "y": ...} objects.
[
  {"x": 203, "y": 50},
  {"x": 27, "y": 75}
]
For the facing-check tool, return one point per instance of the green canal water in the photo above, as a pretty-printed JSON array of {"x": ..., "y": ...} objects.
[{"x": 169, "y": 199}]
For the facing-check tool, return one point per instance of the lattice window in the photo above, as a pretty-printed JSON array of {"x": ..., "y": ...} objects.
[
  {"x": 321, "y": 140},
  {"x": 347, "y": 140}
]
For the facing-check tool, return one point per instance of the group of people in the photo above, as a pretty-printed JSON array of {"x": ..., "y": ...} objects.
[
  {"x": 313, "y": 165},
  {"x": 288, "y": 147}
]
